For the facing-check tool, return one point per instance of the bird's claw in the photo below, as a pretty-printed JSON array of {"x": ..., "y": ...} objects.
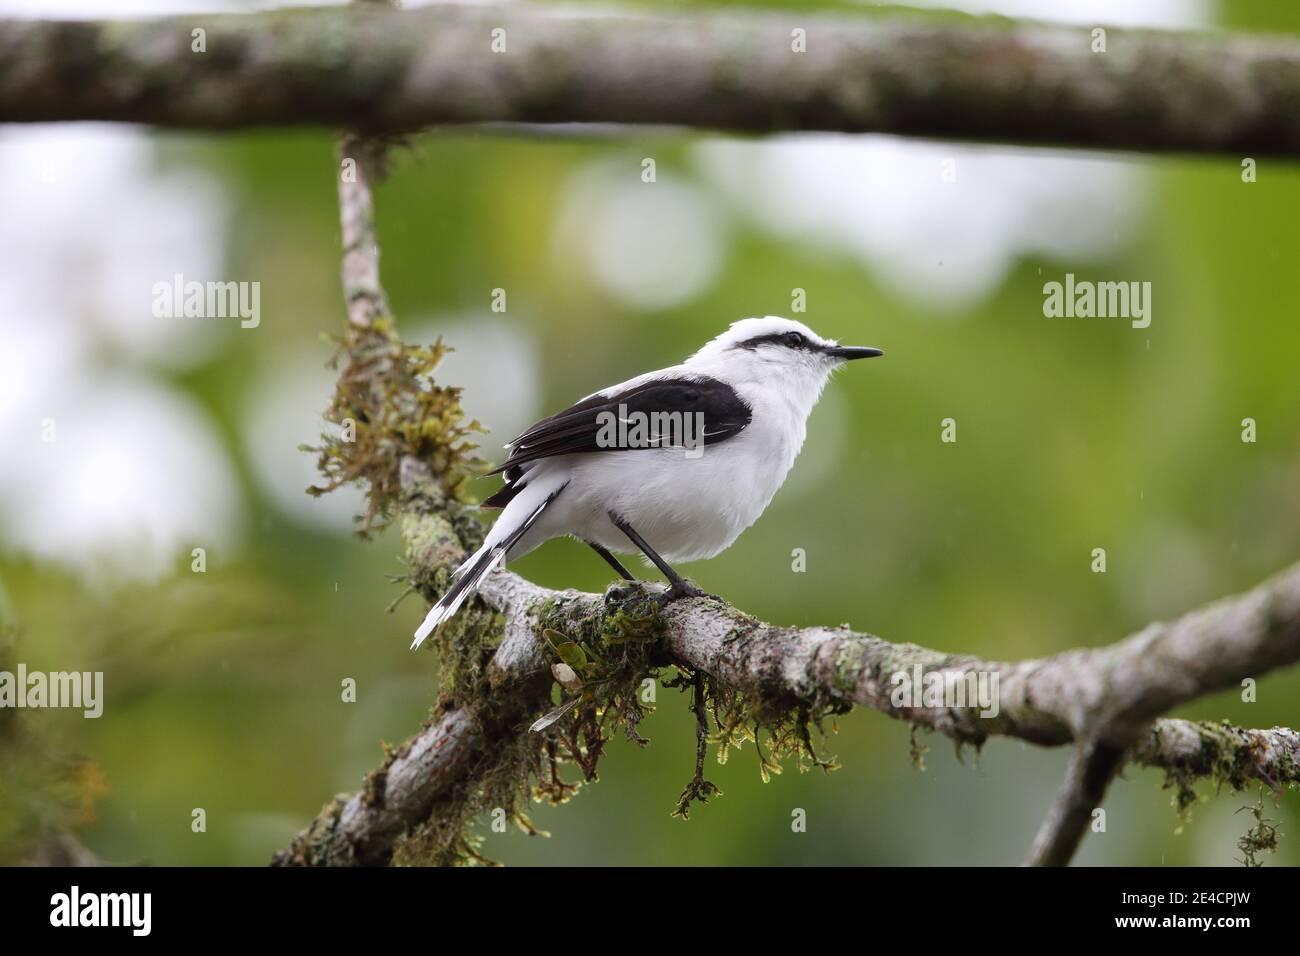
[
  {"x": 619, "y": 593},
  {"x": 685, "y": 589}
]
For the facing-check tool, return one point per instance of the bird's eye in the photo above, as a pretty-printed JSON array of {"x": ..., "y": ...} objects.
[{"x": 794, "y": 340}]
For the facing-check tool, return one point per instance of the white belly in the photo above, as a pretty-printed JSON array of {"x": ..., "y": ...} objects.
[{"x": 687, "y": 509}]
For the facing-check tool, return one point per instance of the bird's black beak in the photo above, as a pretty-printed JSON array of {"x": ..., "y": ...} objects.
[{"x": 847, "y": 352}]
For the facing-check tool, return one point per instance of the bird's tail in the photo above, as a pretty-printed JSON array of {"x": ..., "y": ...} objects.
[{"x": 505, "y": 535}]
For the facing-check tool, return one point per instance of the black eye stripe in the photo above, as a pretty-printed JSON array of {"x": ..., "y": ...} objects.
[{"x": 780, "y": 338}]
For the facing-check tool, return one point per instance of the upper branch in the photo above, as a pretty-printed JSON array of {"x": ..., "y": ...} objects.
[{"x": 381, "y": 70}]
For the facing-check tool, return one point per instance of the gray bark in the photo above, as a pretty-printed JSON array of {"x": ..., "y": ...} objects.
[{"x": 375, "y": 69}]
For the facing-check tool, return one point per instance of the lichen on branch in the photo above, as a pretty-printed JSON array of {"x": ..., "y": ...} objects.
[
  {"x": 949, "y": 77},
  {"x": 387, "y": 406}
]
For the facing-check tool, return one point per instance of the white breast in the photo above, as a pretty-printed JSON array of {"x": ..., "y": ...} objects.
[{"x": 686, "y": 508}]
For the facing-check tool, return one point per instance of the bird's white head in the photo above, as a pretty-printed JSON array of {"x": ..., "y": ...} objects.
[{"x": 777, "y": 352}]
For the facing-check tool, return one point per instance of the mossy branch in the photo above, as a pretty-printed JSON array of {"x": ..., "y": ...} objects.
[
  {"x": 381, "y": 70},
  {"x": 386, "y": 405},
  {"x": 477, "y": 748},
  {"x": 484, "y": 746},
  {"x": 490, "y": 743}
]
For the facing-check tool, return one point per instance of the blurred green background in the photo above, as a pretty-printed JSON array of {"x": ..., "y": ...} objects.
[{"x": 223, "y": 688}]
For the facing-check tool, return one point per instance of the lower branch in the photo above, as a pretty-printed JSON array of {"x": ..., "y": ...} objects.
[
  {"x": 1092, "y": 766},
  {"x": 1188, "y": 750},
  {"x": 1107, "y": 696}
]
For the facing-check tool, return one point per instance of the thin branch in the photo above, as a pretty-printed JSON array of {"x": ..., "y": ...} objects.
[
  {"x": 1187, "y": 750},
  {"x": 1184, "y": 750},
  {"x": 1092, "y": 766},
  {"x": 360, "y": 161},
  {"x": 383, "y": 70}
]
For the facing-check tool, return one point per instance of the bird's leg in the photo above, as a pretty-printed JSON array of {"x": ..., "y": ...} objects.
[
  {"x": 679, "y": 587},
  {"x": 612, "y": 561}
]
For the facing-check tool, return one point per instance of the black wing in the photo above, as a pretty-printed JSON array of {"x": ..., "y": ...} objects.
[{"x": 577, "y": 428}]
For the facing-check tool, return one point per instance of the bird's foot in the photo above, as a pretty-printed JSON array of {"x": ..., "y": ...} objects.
[
  {"x": 685, "y": 589},
  {"x": 622, "y": 591}
]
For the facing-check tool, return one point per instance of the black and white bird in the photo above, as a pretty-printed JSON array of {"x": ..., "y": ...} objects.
[{"x": 718, "y": 435}]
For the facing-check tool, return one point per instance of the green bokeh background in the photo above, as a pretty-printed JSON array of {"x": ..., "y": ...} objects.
[{"x": 223, "y": 688}]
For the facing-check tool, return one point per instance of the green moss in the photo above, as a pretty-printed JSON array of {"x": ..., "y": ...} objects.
[
  {"x": 623, "y": 641},
  {"x": 780, "y": 727},
  {"x": 387, "y": 403},
  {"x": 1226, "y": 756},
  {"x": 917, "y": 749},
  {"x": 848, "y": 666},
  {"x": 1260, "y": 838}
]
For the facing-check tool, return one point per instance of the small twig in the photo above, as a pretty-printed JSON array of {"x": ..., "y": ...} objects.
[
  {"x": 1261, "y": 838},
  {"x": 1092, "y": 766},
  {"x": 400, "y": 598},
  {"x": 699, "y": 788}
]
